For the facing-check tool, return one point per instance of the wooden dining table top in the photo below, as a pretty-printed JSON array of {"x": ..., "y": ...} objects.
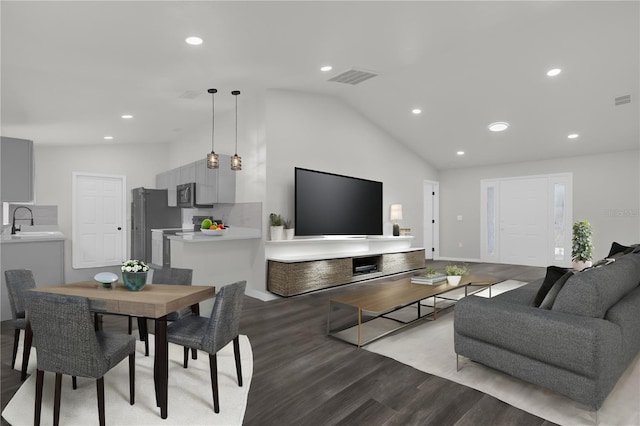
[{"x": 153, "y": 301}]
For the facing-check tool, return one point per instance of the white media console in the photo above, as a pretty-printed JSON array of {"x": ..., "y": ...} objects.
[{"x": 307, "y": 264}]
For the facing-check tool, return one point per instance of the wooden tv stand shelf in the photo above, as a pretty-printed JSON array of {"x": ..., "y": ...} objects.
[{"x": 304, "y": 265}]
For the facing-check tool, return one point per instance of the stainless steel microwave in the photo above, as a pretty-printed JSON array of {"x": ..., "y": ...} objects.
[{"x": 186, "y": 196}]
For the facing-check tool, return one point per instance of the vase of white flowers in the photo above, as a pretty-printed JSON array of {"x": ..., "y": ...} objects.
[{"x": 134, "y": 274}]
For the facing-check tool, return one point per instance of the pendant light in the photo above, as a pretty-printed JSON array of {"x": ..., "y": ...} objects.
[
  {"x": 236, "y": 161},
  {"x": 212, "y": 157}
]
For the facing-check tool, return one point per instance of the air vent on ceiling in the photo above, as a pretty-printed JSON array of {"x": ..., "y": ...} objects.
[
  {"x": 189, "y": 94},
  {"x": 621, "y": 100},
  {"x": 353, "y": 76}
]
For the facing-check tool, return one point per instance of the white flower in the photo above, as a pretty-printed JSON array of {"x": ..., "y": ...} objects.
[{"x": 128, "y": 268}]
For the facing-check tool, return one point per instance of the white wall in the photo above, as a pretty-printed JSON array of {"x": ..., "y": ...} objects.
[
  {"x": 606, "y": 192},
  {"x": 53, "y": 169},
  {"x": 322, "y": 133}
]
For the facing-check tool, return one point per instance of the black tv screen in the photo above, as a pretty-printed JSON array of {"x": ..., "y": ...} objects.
[{"x": 330, "y": 204}]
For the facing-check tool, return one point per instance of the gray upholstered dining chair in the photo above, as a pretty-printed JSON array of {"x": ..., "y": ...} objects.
[
  {"x": 176, "y": 276},
  {"x": 19, "y": 281},
  {"x": 213, "y": 333},
  {"x": 66, "y": 343}
]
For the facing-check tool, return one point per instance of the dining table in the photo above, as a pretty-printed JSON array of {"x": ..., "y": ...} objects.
[{"x": 154, "y": 301}]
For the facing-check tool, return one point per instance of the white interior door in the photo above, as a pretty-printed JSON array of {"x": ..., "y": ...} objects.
[
  {"x": 431, "y": 219},
  {"x": 99, "y": 220}
]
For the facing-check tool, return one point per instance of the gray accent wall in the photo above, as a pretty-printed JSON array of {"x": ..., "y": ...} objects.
[{"x": 606, "y": 192}]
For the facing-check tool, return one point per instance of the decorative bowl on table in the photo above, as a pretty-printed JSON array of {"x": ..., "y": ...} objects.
[
  {"x": 212, "y": 231},
  {"x": 107, "y": 279}
]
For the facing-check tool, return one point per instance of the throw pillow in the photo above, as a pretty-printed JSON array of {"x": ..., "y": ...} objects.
[
  {"x": 554, "y": 273},
  {"x": 550, "y": 298},
  {"x": 618, "y": 250}
]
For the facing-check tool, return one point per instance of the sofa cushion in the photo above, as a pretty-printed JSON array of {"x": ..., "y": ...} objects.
[
  {"x": 551, "y": 296},
  {"x": 554, "y": 273},
  {"x": 591, "y": 293}
]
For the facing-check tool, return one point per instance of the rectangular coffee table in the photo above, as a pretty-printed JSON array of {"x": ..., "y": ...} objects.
[{"x": 371, "y": 306}]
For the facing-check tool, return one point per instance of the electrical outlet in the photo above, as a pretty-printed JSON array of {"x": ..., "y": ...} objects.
[{"x": 460, "y": 218}]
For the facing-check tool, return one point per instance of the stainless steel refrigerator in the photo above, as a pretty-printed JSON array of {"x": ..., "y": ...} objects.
[{"x": 149, "y": 210}]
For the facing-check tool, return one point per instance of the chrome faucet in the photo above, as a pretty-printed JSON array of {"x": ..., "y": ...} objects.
[{"x": 13, "y": 221}]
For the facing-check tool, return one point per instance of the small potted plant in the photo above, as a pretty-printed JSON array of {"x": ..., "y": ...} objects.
[
  {"x": 276, "y": 228},
  {"x": 454, "y": 273},
  {"x": 289, "y": 231},
  {"x": 581, "y": 246},
  {"x": 134, "y": 274}
]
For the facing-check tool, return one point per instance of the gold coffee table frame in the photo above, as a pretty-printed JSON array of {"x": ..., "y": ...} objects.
[{"x": 390, "y": 296}]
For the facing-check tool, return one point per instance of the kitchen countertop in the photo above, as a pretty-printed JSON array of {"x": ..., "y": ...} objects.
[
  {"x": 231, "y": 233},
  {"x": 33, "y": 237}
]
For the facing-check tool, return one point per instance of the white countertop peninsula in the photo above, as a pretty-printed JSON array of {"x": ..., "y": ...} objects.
[{"x": 229, "y": 234}]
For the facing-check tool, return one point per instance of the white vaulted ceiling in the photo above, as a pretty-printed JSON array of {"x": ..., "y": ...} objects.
[{"x": 71, "y": 69}]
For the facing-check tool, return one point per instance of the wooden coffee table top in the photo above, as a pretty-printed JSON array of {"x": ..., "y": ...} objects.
[{"x": 394, "y": 294}]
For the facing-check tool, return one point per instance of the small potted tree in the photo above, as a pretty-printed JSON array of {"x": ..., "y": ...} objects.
[
  {"x": 581, "y": 246},
  {"x": 454, "y": 273},
  {"x": 276, "y": 227},
  {"x": 289, "y": 230}
]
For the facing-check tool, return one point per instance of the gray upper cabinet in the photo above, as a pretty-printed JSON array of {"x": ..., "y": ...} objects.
[
  {"x": 206, "y": 183},
  {"x": 17, "y": 169},
  {"x": 212, "y": 185}
]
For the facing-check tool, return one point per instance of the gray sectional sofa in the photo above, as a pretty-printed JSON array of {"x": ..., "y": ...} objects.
[{"x": 579, "y": 347}]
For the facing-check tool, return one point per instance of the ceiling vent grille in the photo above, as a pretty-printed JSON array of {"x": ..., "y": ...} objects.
[
  {"x": 621, "y": 100},
  {"x": 353, "y": 76}
]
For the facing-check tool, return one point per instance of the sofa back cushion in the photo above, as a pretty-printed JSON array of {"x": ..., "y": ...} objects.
[{"x": 592, "y": 292}]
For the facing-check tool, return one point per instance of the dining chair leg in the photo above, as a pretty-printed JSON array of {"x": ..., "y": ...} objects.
[
  {"x": 130, "y": 324},
  {"x": 100, "y": 391},
  {"x": 38, "y": 407},
  {"x": 194, "y": 353},
  {"x": 16, "y": 340},
  {"x": 56, "y": 400},
  {"x": 236, "y": 354},
  {"x": 213, "y": 367},
  {"x": 132, "y": 378},
  {"x": 26, "y": 351},
  {"x": 185, "y": 361},
  {"x": 74, "y": 382}
]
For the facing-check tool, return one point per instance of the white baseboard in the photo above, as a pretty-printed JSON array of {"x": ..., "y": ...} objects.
[{"x": 457, "y": 259}]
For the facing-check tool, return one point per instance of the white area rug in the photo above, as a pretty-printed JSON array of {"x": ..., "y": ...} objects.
[
  {"x": 429, "y": 348},
  {"x": 190, "y": 397}
]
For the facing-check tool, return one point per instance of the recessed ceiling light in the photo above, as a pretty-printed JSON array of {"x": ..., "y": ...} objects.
[
  {"x": 416, "y": 111},
  {"x": 108, "y": 138},
  {"x": 326, "y": 68},
  {"x": 498, "y": 126},
  {"x": 195, "y": 41},
  {"x": 460, "y": 152},
  {"x": 553, "y": 72},
  {"x": 573, "y": 136},
  {"x": 127, "y": 116}
]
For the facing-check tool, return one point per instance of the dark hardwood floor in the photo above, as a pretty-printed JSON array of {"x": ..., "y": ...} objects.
[{"x": 303, "y": 377}]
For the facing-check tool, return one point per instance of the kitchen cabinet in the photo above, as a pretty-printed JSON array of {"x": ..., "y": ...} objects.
[
  {"x": 45, "y": 258},
  {"x": 206, "y": 183},
  {"x": 156, "y": 247},
  {"x": 212, "y": 185},
  {"x": 162, "y": 180},
  {"x": 17, "y": 169}
]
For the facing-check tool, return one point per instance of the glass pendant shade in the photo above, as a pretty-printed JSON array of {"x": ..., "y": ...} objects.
[
  {"x": 236, "y": 162},
  {"x": 212, "y": 157},
  {"x": 213, "y": 161}
]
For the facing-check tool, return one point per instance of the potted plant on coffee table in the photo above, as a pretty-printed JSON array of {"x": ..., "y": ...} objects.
[
  {"x": 581, "y": 246},
  {"x": 454, "y": 273}
]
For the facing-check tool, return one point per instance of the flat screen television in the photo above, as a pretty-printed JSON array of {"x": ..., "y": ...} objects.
[{"x": 331, "y": 204}]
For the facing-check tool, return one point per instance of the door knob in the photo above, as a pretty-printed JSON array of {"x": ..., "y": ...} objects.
[{"x": 119, "y": 228}]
